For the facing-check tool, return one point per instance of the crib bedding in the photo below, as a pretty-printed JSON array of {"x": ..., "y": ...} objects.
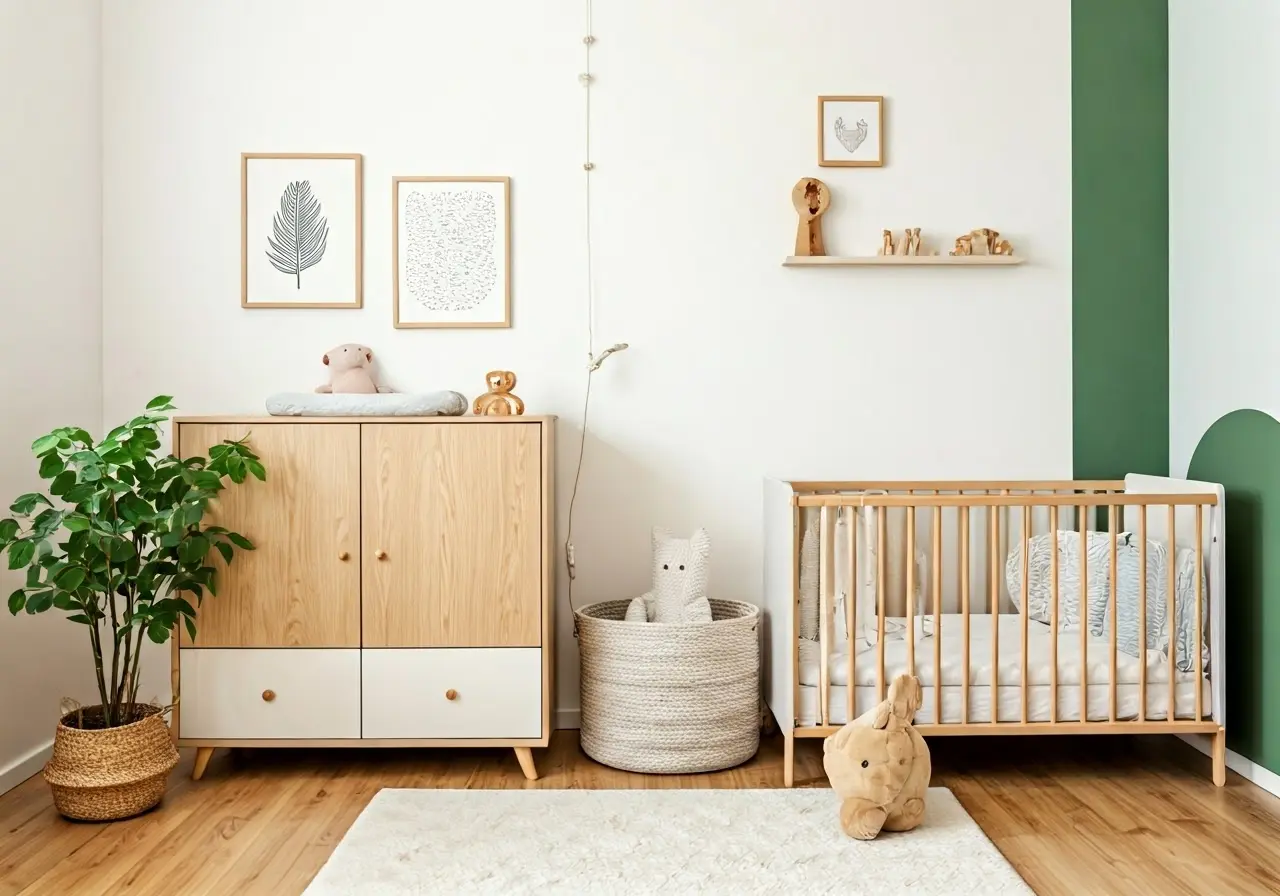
[
  {"x": 1039, "y": 697},
  {"x": 1039, "y": 665}
]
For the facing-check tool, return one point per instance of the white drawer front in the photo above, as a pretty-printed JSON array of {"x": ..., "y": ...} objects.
[
  {"x": 497, "y": 692},
  {"x": 316, "y": 693}
]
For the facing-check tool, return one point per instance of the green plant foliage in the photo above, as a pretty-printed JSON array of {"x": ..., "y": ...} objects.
[{"x": 117, "y": 543}]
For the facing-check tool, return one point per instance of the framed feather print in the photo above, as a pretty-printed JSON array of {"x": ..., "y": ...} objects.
[
  {"x": 850, "y": 131},
  {"x": 451, "y": 251},
  {"x": 301, "y": 230}
]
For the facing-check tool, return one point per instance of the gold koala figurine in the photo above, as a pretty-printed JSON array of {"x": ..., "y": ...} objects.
[{"x": 498, "y": 401}]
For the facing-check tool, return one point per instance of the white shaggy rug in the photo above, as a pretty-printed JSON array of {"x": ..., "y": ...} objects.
[{"x": 653, "y": 841}]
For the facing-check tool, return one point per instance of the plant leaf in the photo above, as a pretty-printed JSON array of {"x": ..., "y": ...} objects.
[
  {"x": 70, "y": 578},
  {"x": 63, "y": 483},
  {"x": 45, "y": 443},
  {"x": 28, "y": 502},
  {"x": 8, "y": 529},
  {"x": 240, "y": 541},
  {"x": 20, "y": 553},
  {"x": 191, "y": 628},
  {"x": 160, "y": 403},
  {"x": 17, "y": 601}
]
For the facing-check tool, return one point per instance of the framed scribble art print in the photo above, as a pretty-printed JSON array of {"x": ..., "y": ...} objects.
[
  {"x": 850, "y": 131},
  {"x": 301, "y": 230},
  {"x": 451, "y": 251}
]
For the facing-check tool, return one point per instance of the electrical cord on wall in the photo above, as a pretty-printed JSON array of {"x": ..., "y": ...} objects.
[{"x": 593, "y": 361}]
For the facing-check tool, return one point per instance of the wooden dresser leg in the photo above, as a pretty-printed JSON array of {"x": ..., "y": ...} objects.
[
  {"x": 1220, "y": 758},
  {"x": 789, "y": 760},
  {"x": 202, "y": 762},
  {"x": 525, "y": 756}
]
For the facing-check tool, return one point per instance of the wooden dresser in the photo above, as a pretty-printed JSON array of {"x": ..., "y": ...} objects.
[{"x": 401, "y": 593}]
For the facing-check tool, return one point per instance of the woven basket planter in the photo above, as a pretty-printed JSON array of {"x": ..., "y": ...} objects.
[
  {"x": 105, "y": 774},
  {"x": 670, "y": 698}
]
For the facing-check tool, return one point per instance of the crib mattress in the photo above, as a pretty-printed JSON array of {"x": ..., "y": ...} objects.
[
  {"x": 1039, "y": 699},
  {"x": 981, "y": 636}
]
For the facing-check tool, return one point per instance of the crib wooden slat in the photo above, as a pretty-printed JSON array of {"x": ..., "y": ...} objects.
[
  {"x": 964, "y": 614},
  {"x": 993, "y": 584},
  {"x": 1115, "y": 574},
  {"x": 797, "y": 528},
  {"x": 1083, "y": 613},
  {"x": 1171, "y": 614},
  {"x": 826, "y": 589},
  {"x": 937, "y": 615},
  {"x": 1053, "y": 614},
  {"x": 1199, "y": 613},
  {"x": 880, "y": 564},
  {"x": 1142, "y": 615},
  {"x": 1026, "y": 581},
  {"x": 851, "y": 614},
  {"x": 911, "y": 590}
]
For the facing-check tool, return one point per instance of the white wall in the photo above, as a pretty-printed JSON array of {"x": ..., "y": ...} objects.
[
  {"x": 1224, "y": 226},
  {"x": 50, "y": 321},
  {"x": 703, "y": 120}
]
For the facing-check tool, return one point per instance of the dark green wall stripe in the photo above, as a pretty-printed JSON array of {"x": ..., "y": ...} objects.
[
  {"x": 1242, "y": 451},
  {"x": 1120, "y": 237}
]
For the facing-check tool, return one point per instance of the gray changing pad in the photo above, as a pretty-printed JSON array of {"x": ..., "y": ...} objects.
[{"x": 388, "y": 404}]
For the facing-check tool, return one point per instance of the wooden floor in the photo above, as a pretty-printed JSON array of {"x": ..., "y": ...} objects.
[{"x": 1089, "y": 815}]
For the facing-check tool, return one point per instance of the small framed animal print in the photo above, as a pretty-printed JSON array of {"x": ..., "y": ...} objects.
[{"x": 850, "y": 131}]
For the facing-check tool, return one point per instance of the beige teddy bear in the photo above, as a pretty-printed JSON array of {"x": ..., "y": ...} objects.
[
  {"x": 879, "y": 765},
  {"x": 349, "y": 370}
]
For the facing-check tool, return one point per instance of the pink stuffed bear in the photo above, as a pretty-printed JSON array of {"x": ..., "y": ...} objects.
[{"x": 349, "y": 370}]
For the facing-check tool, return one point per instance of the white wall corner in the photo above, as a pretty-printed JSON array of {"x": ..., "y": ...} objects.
[
  {"x": 1245, "y": 768},
  {"x": 25, "y": 766}
]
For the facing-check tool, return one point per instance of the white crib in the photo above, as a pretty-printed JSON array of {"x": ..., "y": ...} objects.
[{"x": 990, "y": 658}]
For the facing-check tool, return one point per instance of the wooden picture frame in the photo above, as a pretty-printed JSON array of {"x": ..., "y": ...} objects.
[
  {"x": 337, "y": 229},
  {"x": 861, "y": 146},
  {"x": 482, "y": 283}
]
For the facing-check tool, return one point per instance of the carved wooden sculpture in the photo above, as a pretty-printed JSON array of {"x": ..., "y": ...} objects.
[
  {"x": 498, "y": 401},
  {"x": 914, "y": 249},
  {"x": 887, "y": 247},
  {"x": 811, "y": 198}
]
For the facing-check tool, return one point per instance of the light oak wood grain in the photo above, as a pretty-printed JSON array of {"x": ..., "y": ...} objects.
[
  {"x": 458, "y": 513},
  {"x": 293, "y": 590},
  {"x": 1115, "y": 815}
]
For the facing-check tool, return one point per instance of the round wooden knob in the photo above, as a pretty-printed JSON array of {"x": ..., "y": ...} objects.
[
  {"x": 268, "y": 695},
  {"x": 380, "y": 554},
  {"x": 344, "y": 556},
  {"x": 451, "y": 694}
]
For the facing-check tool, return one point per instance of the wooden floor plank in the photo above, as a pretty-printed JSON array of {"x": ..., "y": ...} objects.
[{"x": 1132, "y": 815}]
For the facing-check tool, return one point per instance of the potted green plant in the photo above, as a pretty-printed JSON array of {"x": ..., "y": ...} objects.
[{"x": 118, "y": 545}]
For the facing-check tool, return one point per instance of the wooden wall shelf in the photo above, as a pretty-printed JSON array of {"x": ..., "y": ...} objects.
[{"x": 818, "y": 260}]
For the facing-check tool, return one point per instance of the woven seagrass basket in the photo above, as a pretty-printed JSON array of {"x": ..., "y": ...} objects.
[
  {"x": 105, "y": 774},
  {"x": 671, "y": 698}
]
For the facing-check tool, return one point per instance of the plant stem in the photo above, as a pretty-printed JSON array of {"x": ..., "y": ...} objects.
[{"x": 95, "y": 640}]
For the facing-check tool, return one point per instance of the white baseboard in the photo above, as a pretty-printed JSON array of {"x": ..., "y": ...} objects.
[
  {"x": 25, "y": 766},
  {"x": 1245, "y": 768},
  {"x": 568, "y": 718}
]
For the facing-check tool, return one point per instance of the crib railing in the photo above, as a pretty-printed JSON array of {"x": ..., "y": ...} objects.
[{"x": 1011, "y": 510}]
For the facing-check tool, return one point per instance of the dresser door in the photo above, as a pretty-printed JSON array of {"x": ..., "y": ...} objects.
[
  {"x": 452, "y": 534},
  {"x": 301, "y": 586}
]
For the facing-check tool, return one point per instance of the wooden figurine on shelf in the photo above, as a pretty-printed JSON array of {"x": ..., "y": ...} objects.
[
  {"x": 498, "y": 401},
  {"x": 811, "y": 198},
  {"x": 904, "y": 244},
  {"x": 914, "y": 239},
  {"x": 886, "y": 247},
  {"x": 983, "y": 241}
]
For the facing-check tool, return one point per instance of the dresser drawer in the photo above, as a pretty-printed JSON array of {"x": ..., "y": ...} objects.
[
  {"x": 459, "y": 692},
  {"x": 313, "y": 693}
]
